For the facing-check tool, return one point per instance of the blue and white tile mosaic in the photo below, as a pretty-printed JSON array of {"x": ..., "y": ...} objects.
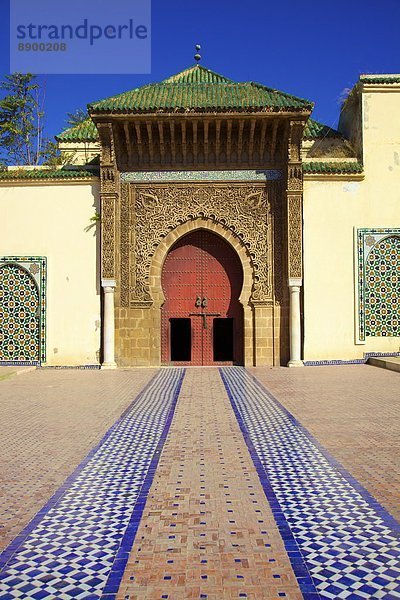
[
  {"x": 237, "y": 175},
  {"x": 355, "y": 361},
  {"x": 378, "y": 255},
  {"x": 349, "y": 544},
  {"x": 78, "y": 545},
  {"x": 23, "y": 309}
]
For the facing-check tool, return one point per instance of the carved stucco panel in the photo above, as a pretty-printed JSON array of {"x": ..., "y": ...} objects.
[
  {"x": 125, "y": 246},
  {"x": 244, "y": 210},
  {"x": 109, "y": 194},
  {"x": 294, "y": 201},
  {"x": 295, "y": 225},
  {"x": 108, "y": 235}
]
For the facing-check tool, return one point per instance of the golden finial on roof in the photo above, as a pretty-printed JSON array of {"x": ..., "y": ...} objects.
[{"x": 197, "y": 56}]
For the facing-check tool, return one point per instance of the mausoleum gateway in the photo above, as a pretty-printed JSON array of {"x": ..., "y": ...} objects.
[{"x": 229, "y": 228}]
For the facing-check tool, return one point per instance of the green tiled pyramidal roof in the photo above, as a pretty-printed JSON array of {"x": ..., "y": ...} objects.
[
  {"x": 83, "y": 132},
  {"x": 202, "y": 90},
  {"x": 315, "y": 130}
]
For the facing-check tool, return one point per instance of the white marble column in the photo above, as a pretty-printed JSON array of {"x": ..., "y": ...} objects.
[
  {"x": 108, "y": 286},
  {"x": 295, "y": 323}
]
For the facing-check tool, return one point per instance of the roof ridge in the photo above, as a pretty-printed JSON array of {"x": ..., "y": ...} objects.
[{"x": 197, "y": 69}]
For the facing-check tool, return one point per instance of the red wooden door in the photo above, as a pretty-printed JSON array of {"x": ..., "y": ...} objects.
[{"x": 202, "y": 321}]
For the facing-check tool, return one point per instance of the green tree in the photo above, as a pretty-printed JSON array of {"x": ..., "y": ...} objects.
[
  {"x": 21, "y": 121},
  {"x": 77, "y": 117}
]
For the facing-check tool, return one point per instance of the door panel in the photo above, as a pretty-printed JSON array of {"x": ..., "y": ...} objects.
[{"x": 202, "y": 280}]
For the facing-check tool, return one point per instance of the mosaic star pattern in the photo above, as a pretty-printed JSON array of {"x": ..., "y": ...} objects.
[
  {"x": 349, "y": 543},
  {"x": 22, "y": 309},
  {"x": 378, "y": 253},
  {"x": 19, "y": 299},
  {"x": 78, "y": 545},
  {"x": 382, "y": 275}
]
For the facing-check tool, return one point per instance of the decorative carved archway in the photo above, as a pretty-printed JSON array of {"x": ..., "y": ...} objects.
[
  {"x": 151, "y": 217},
  {"x": 150, "y": 213},
  {"x": 244, "y": 257}
]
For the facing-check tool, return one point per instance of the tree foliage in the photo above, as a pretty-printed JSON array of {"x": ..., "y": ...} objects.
[
  {"x": 21, "y": 122},
  {"x": 77, "y": 117}
]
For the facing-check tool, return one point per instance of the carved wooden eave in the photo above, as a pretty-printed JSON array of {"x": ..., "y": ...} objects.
[{"x": 200, "y": 140}]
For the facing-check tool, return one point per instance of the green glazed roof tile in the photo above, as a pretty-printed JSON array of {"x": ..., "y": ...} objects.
[
  {"x": 314, "y": 130},
  {"x": 332, "y": 168},
  {"x": 83, "y": 132},
  {"x": 197, "y": 74},
  {"x": 380, "y": 79},
  {"x": 202, "y": 90},
  {"x": 45, "y": 174}
]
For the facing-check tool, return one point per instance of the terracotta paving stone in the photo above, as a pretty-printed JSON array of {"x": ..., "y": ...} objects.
[
  {"x": 207, "y": 530},
  {"x": 49, "y": 420},
  {"x": 354, "y": 412},
  {"x": 206, "y": 510}
]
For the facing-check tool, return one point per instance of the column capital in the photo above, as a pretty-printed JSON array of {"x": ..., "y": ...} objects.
[
  {"x": 295, "y": 282},
  {"x": 105, "y": 283}
]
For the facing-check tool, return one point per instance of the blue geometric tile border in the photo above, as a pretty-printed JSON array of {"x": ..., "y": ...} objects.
[
  {"x": 332, "y": 528},
  {"x": 78, "y": 545},
  {"x": 325, "y": 363},
  {"x": 355, "y": 361},
  {"x": 19, "y": 363},
  {"x": 58, "y": 367}
]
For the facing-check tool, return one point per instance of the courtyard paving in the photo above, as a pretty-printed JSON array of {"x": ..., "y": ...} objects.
[{"x": 206, "y": 521}]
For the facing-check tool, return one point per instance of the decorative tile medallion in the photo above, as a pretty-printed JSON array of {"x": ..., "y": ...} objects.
[
  {"x": 350, "y": 544},
  {"x": 378, "y": 253},
  {"x": 78, "y": 545},
  {"x": 22, "y": 309},
  {"x": 239, "y": 175}
]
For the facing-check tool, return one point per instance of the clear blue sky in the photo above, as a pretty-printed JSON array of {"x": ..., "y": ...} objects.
[{"x": 313, "y": 49}]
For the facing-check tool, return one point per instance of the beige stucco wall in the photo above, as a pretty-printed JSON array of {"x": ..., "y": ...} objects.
[
  {"x": 332, "y": 209},
  {"x": 51, "y": 220}
]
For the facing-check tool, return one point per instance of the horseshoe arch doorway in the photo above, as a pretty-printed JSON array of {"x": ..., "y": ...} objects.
[{"x": 202, "y": 318}]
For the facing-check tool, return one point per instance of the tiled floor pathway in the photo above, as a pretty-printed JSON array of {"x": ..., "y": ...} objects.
[
  {"x": 204, "y": 473},
  {"x": 208, "y": 531}
]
